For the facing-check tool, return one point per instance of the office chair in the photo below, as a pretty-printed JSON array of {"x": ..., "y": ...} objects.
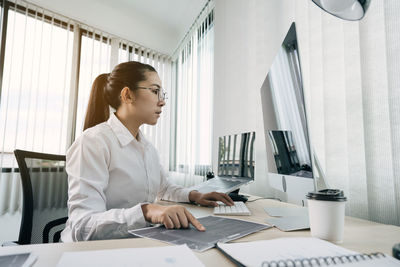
[{"x": 45, "y": 195}]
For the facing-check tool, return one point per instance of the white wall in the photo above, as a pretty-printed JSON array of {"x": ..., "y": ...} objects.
[{"x": 247, "y": 37}]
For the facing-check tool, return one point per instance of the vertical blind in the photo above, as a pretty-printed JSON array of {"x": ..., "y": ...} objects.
[
  {"x": 35, "y": 91},
  {"x": 158, "y": 134},
  {"x": 193, "y": 100},
  {"x": 94, "y": 60},
  {"x": 35, "y": 81},
  {"x": 353, "y": 87}
]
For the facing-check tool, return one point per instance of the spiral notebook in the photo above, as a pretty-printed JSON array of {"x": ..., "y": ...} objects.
[{"x": 303, "y": 251}]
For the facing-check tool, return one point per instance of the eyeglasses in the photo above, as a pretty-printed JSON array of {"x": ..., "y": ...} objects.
[{"x": 162, "y": 95}]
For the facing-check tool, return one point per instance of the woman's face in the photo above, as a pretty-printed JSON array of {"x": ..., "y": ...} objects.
[{"x": 147, "y": 105}]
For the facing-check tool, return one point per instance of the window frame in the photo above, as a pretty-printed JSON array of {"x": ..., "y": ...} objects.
[{"x": 3, "y": 32}]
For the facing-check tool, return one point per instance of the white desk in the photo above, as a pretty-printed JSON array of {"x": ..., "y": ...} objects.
[{"x": 359, "y": 235}]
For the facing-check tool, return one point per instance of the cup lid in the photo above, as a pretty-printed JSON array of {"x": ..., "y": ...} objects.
[{"x": 327, "y": 195}]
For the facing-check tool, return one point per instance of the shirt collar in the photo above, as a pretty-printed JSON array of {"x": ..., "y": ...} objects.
[{"x": 122, "y": 133}]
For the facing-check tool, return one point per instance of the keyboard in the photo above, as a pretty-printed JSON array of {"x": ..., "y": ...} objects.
[{"x": 238, "y": 209}]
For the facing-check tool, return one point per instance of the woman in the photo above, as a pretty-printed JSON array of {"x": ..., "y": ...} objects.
[{"x": 114, "y": 173}]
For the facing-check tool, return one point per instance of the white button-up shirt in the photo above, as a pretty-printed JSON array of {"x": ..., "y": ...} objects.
[{"x": 110, "y": 176}]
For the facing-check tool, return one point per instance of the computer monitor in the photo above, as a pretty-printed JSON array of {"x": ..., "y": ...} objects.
[
  {"x": 236, "y": 166},
  {"x": 285, "y": 124},
  {"x": 236, "y": 155},
  {"x": 236, "y": 158}
]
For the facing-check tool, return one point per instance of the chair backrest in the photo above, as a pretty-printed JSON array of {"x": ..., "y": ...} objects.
[{"x": 45, "y": 194}]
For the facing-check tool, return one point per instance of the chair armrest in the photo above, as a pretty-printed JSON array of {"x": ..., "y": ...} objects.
[{"x": 50, "y": 225}]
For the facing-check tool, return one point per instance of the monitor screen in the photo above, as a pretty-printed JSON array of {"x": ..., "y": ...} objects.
[
  {"x": 285, "y": 155},
  {"x": 236, "y": 155},
  {"x": 285, "y": 123}
]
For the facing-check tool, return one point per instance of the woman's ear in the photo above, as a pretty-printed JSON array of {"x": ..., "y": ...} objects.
[{"x": 127, "y": 96}]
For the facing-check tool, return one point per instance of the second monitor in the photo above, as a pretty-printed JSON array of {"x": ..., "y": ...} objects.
[{"x": 236, "y": 164}]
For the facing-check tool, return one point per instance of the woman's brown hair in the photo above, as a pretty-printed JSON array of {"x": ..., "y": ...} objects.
[{"x": 106, "y": 90}]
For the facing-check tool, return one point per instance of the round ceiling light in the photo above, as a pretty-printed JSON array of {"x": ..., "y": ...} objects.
[{"x": 345, "y": 9}]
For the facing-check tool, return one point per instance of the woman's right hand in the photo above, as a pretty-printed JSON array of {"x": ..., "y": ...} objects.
[{"x": 171, "y": 216}]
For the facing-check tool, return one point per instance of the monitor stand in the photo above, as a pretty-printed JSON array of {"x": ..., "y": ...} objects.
[{"x": 235, "y": 196}]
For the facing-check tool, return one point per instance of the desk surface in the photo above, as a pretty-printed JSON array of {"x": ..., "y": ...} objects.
[{"x": 359, "y": 235}]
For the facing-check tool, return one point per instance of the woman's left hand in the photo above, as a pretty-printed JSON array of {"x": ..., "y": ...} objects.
[{"x": 209, "y": 199}]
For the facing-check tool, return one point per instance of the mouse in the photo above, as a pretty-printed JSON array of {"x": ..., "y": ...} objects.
[
  {"x": 238, "y": 197},
  {"x": 209, "y": 175}
]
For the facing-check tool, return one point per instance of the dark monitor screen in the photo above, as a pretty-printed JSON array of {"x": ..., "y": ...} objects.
[
  {"x": 236, "y": 155},
  {"x": 285, "y": 154}
]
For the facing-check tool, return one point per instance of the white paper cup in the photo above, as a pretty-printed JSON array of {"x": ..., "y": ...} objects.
[{"x": 326, "y": 209}]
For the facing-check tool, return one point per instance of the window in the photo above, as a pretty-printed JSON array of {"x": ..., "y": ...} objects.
[
  {"x": 94, "y": 60},
  {"x": 194, "y": 90},
  {"x": 35, "y": 88},
  {"x": 158, "y": 135}
]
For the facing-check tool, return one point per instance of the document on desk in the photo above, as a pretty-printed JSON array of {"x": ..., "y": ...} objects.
[
  {"x": 218, "y": 229},
  {"x": 286, "y": 211},
  {"x": 169, "y": 256},
  {"x": 289, "y": 223},
  {"x": 18, "y": 260},
  {"x": 307, "y": 250}
]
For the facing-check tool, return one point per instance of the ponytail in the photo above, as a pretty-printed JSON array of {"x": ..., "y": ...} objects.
[{"x": 98, "y": 110}]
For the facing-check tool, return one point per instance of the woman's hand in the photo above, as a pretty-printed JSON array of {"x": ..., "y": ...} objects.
[
  {"x": 171, "y": 216},
  {"x": 209, "y": 199}
]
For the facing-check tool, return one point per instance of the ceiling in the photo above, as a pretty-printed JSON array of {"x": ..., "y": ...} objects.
[{"x": 156, "y": 24}]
